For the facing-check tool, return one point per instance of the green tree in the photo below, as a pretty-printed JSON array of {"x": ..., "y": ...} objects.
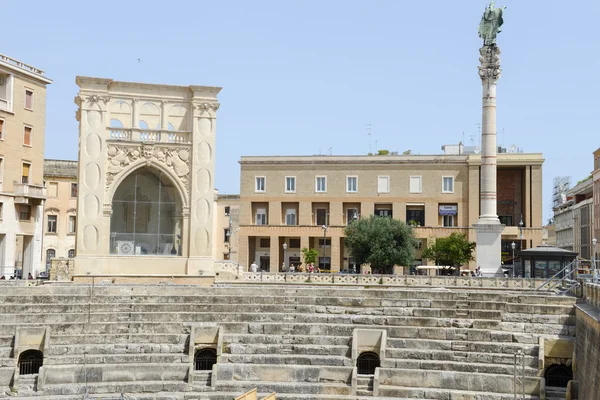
[
  {"x": 453, "y": 251},
  {"x": 310, "y": 255},
  {"x": 380, "y": 241}
]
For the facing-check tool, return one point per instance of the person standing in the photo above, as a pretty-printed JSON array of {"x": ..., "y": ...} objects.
[{"x": 254, "y": 267}]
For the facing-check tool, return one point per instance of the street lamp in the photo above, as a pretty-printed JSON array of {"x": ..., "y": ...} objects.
[
  {"x": 513, "y": 245},
  {"x": 594, "y": 242},
  {"x": 229, "y": 240},
  {"x": 324, "y": 227},
  {"x": 284, "y": 256}
]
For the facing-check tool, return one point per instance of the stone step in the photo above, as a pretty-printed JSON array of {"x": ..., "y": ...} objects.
[
  {"x": 274, "y": 339},
  {"x": 116, "y": 348},
  {"x": 287, "y": 359},
  {"x": 295, "y": 388},
  {"x": 110, "y": 373},
  {"x": 504, "y": 357},
  {"x": 467, "y": 366},
  {"x": 453, "y": 380},
  {"x": 75, "y": 340},
  {"x": 112, "y": 388},
  {"x": 409, "y": 392},
  {"x": 126, "y": 358},
  {"x": 235, "y": 348}
]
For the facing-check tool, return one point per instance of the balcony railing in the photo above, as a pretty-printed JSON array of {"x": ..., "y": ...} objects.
[
  {"x": 29, "y": 191},
  {"x": 6, "y": 105},
  {"x": 17, "y": 63},
  {"x": 145, "y": 135}
]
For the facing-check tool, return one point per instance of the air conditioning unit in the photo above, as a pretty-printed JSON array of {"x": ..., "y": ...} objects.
[{"x": 125, "y": 247}]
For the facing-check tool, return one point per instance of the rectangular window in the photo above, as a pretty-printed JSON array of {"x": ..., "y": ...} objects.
[
  {"x": 1, "y": 207},
  {"x": 73, "y": 189},
  {"x": 351, "y": 184},
  {"x": 290, "y": 184},
  {"x": 351, "y": 215},
  {"x": 294, "y": 243},
  {"x": 261, "y": 216},
  {"x": 72, "y": 224},
  {"x": 265, "y": 243},
  {"x": 71, "y": 253},
  {"x": 51, "y": 224},
  {"x": 326, "y": 241},
  {"x": 226, "y": 235},
  {"x": 447, "y": 184},
  {"x": 506, "y": 220},
  {"x": 24, "y": 213},
  {"x": 290, "y": 216},
  {"x": 52, "y": 189},
  {"x": 384, "y": 213},
  {"x": 29, "y": 99},
  {"x": 321, "y": 216},
  {"x": 25, "y": 173},
  {"x": 324, "y": 263},
  {"x": 415, "y": 217},
  {"x": 448, "y": 220},
  {"x": 415, "y": 184},
  {"x": 1, "y": 129},
  {"x": 227, "y": 211},
  {"x": 27, "y": 136},
  {"x": 383, "y": 184},
  {"x": 321, "y": 184},
  {"x": 260, "y": 183}
]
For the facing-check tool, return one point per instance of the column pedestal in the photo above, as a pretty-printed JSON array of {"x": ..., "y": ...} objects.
[{"x": 488, "y": 249}]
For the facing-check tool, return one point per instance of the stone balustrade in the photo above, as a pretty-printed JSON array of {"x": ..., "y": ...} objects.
[
  {"x": 143, "y": 135},
  {"x": 591, "y": 294},
  {"x": 20, "y": 64},
  {"x": 393, "y": 280}
]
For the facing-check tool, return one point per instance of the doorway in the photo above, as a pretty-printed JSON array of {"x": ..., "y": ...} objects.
[{"x": 265, "y": 263}]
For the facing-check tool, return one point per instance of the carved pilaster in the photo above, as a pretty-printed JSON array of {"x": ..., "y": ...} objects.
[{"x": 489, "y": 70}]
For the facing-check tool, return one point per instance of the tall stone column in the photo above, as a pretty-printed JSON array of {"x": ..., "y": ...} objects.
[{"x": 488, "y": 227}]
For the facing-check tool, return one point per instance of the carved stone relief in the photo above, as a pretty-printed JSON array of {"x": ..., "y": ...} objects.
[{"x": 176, "y": 159}]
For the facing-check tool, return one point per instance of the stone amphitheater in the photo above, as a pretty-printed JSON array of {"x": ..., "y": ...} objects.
[{"x": 451, "y": 339}]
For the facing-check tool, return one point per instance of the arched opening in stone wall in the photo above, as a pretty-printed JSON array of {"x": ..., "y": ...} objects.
[
  {"x": 146, "y": 216},
  {"x": 30, "y": 362},
  {"x": 204, "y": 359},
  {"x": 367, "y": 362},
  {"x": 558, "y": 376}
]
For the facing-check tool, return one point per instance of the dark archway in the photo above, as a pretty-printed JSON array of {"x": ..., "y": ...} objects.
[
  {"x": 30, "y": 362},
  {"x": 367, "y": 362},
  {"x": 146, "y": 215},
  {"x": 558, "y": 376},
  {"x": 204, "y": 359}
]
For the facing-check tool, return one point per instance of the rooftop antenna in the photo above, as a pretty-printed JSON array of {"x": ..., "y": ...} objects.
[
  {"x": 478, "y": 126},
  {"x": 376, "y": 146},
  {"x": 369, "y": 133},
  {"x": 330, "y": 150}
]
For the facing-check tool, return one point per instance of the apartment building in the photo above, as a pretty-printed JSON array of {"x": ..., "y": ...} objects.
[
  {"x": 289, "y": 203},
  {"x": 596, "y": 200},
  {"x": 22, "y": 191},
  {"x": 227, "y": 217},
  {"x": 60, "y": 211}
]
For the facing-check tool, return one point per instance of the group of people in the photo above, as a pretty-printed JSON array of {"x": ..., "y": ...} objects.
[
  {"x": 310, "y": 268},
  {"x": 3, "y": 278}
]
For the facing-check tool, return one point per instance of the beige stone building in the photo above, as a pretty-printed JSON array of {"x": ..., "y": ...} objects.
[
  {"x": 227, "y": 226},
  {"x": 307, "y": 201},
  {"x": 146, "y": 179},
  {"x": 596, "y": 202},
  {"x": 22, "y": 191},
  {"x": 60, "y": 211}
]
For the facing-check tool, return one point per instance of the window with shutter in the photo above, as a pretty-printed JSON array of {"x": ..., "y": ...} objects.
[
  {"x": 415, "y": 184},
  {"x": 27, "y": 136},
  {"x": 25, "y": 175},
  {"x": 29, "y": 99},
  {"x": 383, "y": 184}
]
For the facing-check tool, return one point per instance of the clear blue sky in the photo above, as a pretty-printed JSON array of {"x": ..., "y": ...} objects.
[{"x": 301, "y": 77}]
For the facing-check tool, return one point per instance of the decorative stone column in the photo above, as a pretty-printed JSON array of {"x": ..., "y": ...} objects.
[{"x": 488, "y": 227}]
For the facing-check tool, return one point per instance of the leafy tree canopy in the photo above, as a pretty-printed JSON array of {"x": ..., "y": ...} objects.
[
  {"x": 380, "y": 241},
  {"x": 309, "y": 255},
  {"x": 453, "y": 250}
]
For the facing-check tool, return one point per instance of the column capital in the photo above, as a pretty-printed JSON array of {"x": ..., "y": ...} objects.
[{"x": 489, "y": 70}]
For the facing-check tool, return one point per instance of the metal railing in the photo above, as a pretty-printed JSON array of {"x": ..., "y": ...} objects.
[
  {"x": 367, "y": 363},
  {"x": 30, "y": 367},
  {"x": 564, "y": 280},
  {"x": 205, "y": 359}
]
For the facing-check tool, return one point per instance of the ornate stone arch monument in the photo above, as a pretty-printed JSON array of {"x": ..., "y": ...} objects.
[{"x": 146, "y": 168}]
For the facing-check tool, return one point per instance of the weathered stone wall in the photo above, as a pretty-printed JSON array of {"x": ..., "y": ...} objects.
[{"x": 587, "y": 348}]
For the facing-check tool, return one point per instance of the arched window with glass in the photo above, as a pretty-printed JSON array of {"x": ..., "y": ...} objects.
[{"x": 146, "y": 215}]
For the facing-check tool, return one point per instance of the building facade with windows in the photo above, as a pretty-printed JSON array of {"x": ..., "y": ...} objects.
[
  {"x": 227, "y": 227},
  {"x": 596, "y": 202},
  {"x": 307, "y": 201},
  {"x": 146, "y": 180},
  {"x": 22, "y": 191},
  {"x": 60, "y": 210}
]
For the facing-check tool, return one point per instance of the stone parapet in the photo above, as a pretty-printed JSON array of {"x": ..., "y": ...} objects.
[{"x": 391, "y": 280}]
